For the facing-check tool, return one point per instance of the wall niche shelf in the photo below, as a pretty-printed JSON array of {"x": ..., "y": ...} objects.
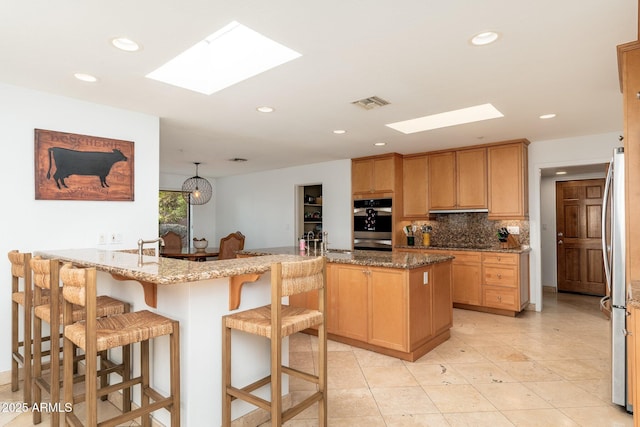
[{"x": 310, "y": 214}]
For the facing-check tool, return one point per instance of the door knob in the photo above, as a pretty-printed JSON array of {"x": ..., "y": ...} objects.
[
  {"x": 560, "y": 242},
  {"x": 560, "y": 234}
]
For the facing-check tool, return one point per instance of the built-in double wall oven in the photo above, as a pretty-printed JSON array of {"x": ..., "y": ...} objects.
[{"x": 372, "y": 224}]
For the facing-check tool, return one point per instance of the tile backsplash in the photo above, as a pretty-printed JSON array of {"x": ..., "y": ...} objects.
[{"x": 471, "y": 229}]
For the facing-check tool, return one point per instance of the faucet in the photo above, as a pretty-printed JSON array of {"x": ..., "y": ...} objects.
[
  {"x": 324, "y": 246},
  {"x": 310, "y": 237},
  {"x": 141, "y": 243}
]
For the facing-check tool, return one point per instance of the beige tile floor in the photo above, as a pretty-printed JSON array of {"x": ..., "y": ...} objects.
[{"x": 539, "y": 369}]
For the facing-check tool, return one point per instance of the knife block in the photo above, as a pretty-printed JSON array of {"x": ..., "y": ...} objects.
[{"x": 511, "y": 243}]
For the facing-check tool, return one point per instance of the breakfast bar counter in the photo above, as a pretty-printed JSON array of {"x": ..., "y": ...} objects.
[{"x": 197, "y": 294}]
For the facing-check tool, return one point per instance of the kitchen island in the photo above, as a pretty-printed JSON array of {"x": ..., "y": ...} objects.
[
  {"x": 197, "y": 294},
  {"x": 395, "y": 303}
]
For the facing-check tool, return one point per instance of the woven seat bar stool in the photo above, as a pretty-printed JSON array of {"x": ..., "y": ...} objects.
[
  {"x": 94, "y": 335},
  {"x": 275, "y": 322},
  {"x": 21, "y": 296},
  {"x": 45, "y": 276}
]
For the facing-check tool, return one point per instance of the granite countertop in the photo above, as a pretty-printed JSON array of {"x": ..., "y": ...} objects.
[
  {"x": 521, "y": 249},
  {"x": 395, "y": 259},
  {"x": 160, "y": 270}
]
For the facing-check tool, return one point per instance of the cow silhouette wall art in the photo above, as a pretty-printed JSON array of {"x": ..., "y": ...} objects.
[
  {"x": 82, "y": 167},
  {"x": 72, "y": 162}
]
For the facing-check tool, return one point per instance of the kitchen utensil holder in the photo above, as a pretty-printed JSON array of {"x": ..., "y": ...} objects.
[{"x": 511, "y": 243}]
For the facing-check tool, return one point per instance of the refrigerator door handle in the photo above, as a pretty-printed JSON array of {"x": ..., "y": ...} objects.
[
  {"x": 605, "y": 208},
  {"x": 604, "y": 307}
]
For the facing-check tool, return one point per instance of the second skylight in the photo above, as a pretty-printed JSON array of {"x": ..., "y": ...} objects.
[
  {"x": 450, "y": 118},
  {"x": 228, "y": 56}
]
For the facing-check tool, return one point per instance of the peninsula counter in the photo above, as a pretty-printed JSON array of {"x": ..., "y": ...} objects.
[{"x": 197, "y": 294}]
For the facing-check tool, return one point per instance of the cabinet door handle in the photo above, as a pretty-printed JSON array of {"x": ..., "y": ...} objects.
[{"x": 499, "y": 276}]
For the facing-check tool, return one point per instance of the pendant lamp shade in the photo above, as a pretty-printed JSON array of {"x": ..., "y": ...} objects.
[{"x": 196, "y": 190}]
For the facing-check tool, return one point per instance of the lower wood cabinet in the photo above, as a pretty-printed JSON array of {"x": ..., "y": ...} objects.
[
  {"x": 505, "y": 281},
  {"x": 467, "y": 273},
  {"x": 399, "y": 312}
]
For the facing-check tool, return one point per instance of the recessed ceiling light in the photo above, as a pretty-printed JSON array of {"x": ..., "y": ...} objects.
[
  {"x": 380, "y": 144},
  {"x": 339, "y": 131},
  {"x": 547, "y": 116},
  {"x": 86, "y": 77},
  {"x": 484, "y": 38},
  {"x": 450, "y": 118},
  {"x": 265, "y": 109},
  {"x": 561, "y": 173},
  {"x": 125, "y": 44},
  {"x": 228, "y": 56}
]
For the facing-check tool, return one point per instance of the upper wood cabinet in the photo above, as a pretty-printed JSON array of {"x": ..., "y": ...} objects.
[
  {"x": 378, "y": 174},
  {"x": 508, "y": 180},
  {"x": 442, "y": 180},
  {"x": 471, "y": 174},
  {"x": 414, "y": 186},
  {"x": 458, "y": 179}
]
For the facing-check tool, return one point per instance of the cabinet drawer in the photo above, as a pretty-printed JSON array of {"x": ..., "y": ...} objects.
[
  {"x": 466, "y": 257},
  {"x": 500, "y": 258},
  {"x": 501, "y": 276},
  {"x": 499, "y": 297}
]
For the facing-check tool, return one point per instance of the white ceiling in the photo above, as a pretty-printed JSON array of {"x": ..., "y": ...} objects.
[{"x": 553, "y": 56}]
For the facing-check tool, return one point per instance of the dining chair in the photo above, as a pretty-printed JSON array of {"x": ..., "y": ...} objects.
[
  {"x": 230, "y": 244},
  {"x": 172, "y": 242}
]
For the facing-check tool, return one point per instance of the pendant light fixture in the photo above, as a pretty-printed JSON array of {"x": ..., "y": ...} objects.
[{"x": 196, "y": 190}]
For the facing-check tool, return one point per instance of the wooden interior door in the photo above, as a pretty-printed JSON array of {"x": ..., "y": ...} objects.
[{"x": 578, "y": 241}]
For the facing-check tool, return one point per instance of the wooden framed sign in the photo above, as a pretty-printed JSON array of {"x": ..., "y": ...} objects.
[{"x": 69, "y": 166}]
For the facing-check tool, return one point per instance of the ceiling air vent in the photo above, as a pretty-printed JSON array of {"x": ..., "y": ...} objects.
[{"x": 371, "y": 102}]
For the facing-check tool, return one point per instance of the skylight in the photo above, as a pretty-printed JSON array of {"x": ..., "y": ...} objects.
[
  {"x": 450, "y": 118},
  {"x": 228, "y": 56}
]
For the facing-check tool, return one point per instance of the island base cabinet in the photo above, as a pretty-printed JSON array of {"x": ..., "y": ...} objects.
[
  {"x": 398, "y": 312},
  {"x": 442, "y": 291},
  {"x": 349, "y": 298},
  {"x": 388, "y": 309}
]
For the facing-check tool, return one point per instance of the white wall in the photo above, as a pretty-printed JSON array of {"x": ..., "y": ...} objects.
[
  {"x": 203, "y": 218},
  {"x": 28, "y": 224},
  {"x": 590, "y": 149},
  {"x": 262, "y": 205}
]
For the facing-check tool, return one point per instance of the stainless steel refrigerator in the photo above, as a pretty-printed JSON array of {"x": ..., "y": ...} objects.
[{"x": 613, "y": 247}]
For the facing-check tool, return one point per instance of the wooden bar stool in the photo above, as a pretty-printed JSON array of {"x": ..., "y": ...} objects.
[
  {"x": 45, "y": 275},
  {"x": 95, "y": 335},
  {"x": 21, "y": 297},
  {"x": 277, "y": 321}
]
